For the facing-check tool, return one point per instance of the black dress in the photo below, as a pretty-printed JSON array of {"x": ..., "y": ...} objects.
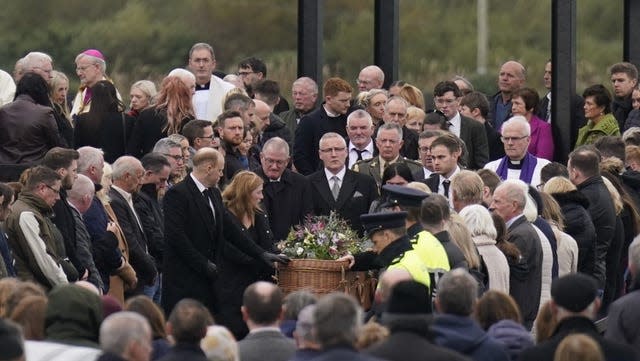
[
  {"x": 109, "y": 133},
  {"x": 150, "y": 127}
]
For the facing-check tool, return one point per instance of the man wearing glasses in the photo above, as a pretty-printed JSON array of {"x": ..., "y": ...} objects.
[
  {"x": 37, "y": 247},
  {"x": 287, "y": 195},
  {"x": 173, "y": 151},
  {"x": 518, "y": 162},
  {"x": 370, "y": 77},
  {"x": 252, "y": 70},
  {"x": 210, "y": 90},
  {"x": 336, "y": 188}
]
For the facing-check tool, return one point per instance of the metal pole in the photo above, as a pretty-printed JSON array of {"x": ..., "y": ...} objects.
[
  {"x": 386, "y": 25},
  {"x": 483, "y": 37},
  {"x": 310, "y": 54}
]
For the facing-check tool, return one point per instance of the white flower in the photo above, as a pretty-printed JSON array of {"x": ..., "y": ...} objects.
[{"x": 299, "y": 251}]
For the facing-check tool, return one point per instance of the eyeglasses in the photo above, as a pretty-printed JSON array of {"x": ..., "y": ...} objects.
[
  {"x": 363, "y": 82},
  {"x": 245, "y": 73},
  {"x": 331, "y": 150},
  {"x": 512, "y": 139},
  {"x": 57, "y": 191},
  {"x": 178, "y": 158},
  {"x": 84, "y": 68},
  {"x": 212, "y": 136}
]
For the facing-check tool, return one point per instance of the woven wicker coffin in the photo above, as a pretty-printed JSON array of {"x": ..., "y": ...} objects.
[{"x": 325, "y": 276}]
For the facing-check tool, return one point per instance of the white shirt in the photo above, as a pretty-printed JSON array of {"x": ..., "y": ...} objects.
[
  {"x": 442, "y": 179},
  {"x": 202, "y": 188},
  {"x": 367, "y": 153},
  {"x": 330, "y": 175},
  {"x": 200, "y": 100},
  {"x": 455, "y": 124}
]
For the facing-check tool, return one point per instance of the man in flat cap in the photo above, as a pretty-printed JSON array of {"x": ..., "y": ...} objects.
[
  {"x": 575, "y": 304},
  {"x": 391, "y": 245}
]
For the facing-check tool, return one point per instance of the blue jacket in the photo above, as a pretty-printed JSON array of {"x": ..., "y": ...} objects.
[
  {"x": 463, "y": 335},
  {"x": 513, "y": 337}
]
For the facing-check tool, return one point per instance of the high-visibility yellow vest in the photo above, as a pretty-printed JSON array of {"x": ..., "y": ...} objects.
[
  {"x": 412, "y": 262},
  {"x": 431, "y": 253}
]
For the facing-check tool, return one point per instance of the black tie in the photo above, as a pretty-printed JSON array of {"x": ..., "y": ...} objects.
[
  {"x": 208, "y": 195},
  {"x": 445, "y": 185},
  {"x": 359, "y": 153}
]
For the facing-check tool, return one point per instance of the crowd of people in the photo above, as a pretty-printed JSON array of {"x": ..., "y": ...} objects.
[{"x": 486, "y": 246}]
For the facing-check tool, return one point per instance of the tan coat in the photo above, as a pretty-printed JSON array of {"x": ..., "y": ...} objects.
[{"x": 125, "y": 278}]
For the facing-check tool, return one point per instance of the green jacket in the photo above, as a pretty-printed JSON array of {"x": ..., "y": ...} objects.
[
  {"x": 588, "y": 134},
  {"x": 29, "y": 229},
  {"x": 73, "y": 316},
  {"x": 371, "y": 167}
]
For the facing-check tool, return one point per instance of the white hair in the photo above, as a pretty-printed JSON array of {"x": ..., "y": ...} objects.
[
  {"x": 515, "y": 190},
  {"x": 518, "y": 120},
  {"x": 182, "y": 74},
  {"x": 101, "y": 63},
  {"x": 35, "y": 59},
  {"x": 530, "y": 208},
  {"x": 360, "y": 114},
  {"x": 89, "y": 156},
  {"x": 120, "y": 329},
  {"x": 82, "y": 186},
  {"x": 125, "y": 165},
  {"x": 478, "y": 221}
]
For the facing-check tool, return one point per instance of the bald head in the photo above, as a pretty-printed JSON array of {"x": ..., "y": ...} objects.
[
  {"x": 262, "y": 304},
  {"x": 512, "y": 77},
  {"x": 263, "y": 110},
  {"x": 370, "y": 77}
]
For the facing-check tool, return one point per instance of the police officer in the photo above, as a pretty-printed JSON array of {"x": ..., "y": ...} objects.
[
  {"x": 430, "y": 250},
  {"x": 391, "y": 246}
]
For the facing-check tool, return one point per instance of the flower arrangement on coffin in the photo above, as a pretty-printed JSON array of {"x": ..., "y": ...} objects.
[
  {"x": 314, "y": 248},
  {"x": 321, "y": 237}
]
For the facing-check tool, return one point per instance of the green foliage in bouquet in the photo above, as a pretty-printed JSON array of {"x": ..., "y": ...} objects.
[{"x": 321, "y": 237}]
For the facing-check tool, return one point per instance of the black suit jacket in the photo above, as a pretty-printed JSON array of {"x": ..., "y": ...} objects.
[
  {"x": 577, "y": 122},
  {"x": 193, "y": 239},
  {"x": 357, "y": 191},
  {"x": 286, "y": 202},
  {"x": 474, "y": 137},
  {"x": 525, "y": 280},
  {"x": 308, "y": 133},
  {"x": 139, "y": 257}
]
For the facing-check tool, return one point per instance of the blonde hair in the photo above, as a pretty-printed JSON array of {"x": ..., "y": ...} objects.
[
  {"x": 558, "y": 185},
  {"x": 105, "y": 182},
  {"x": 551, "y": 210},
  {"x": 148, "y": 88},
  {"x": 57, "y": 78},
  {"x": 578, "y": 346},
  {"x": 413, "y": 95},
  {"x": 461, "y": 236},
  {"x": 237, "y": 195}
]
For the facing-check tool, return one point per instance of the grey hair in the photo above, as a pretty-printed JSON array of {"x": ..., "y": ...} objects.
[
  {"x": 391, "y": 126},
  {"x": 308, "y": 82},
  {"x": 515, "y": 190},
  {"x": 397, "y": 99},
  {"x": 634, "y": 253},
  {"x": 457, "y": 292},
  {"x": 331, "y": 135},
  {"x": 295, "y": 302},
  {"x": 120, "y": 329},
  {"x": 464, "y": 80},
  {"x": 337, "y": 320},
  {"x": 518, "y": 120},
  {"x": 125, "y": 165},
  {"x": 163, "y": 145},
  {"x": 34, "y": 59},
  {"x": 177, "y": 138},
  {"x": 199, "y": 46},
  {"x": 89, "y": 156},
  {"x": 276, "y": 144},
  {"x": 101, "y": 63},
  {"x": 360, "y": 114},
  {"x": 304, "y": 325},
  {"x": 82, "y": 186},
  {"x": 478, "y": 221}
]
